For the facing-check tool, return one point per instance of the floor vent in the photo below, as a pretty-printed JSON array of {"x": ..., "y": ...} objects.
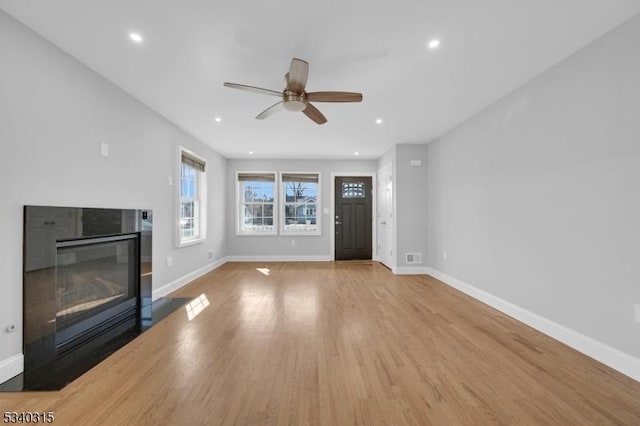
[{"x": 413, "y": 258}]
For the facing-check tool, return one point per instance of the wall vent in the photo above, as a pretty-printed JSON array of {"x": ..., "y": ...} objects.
[{"x": 413, "y": 258}]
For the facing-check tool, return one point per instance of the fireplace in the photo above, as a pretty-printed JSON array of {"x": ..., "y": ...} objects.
[
  {"x": 87, "y": 280},
  {"x": 96, "y": 286}
]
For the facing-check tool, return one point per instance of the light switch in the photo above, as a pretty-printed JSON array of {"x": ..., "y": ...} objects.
[
  {"x": 326, "y": 210},
  {"x": 104, "y": 149}
]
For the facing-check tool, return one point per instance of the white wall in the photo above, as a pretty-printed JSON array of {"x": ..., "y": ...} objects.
[
  {"x": 312, "y": 246},
  {"x": 537, "y": 198},
  {"x": 54, "y": 114}
]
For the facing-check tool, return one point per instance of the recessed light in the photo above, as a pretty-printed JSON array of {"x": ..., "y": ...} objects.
[
  {"x": 356, "y": 153},
  {"x": 136, "y": 37},
  {"x": 250, "y": 152},
  {"x": 433, "y": 44},
  {"x": 379, "y": 121},
  {"x": 217, "y": 119}
]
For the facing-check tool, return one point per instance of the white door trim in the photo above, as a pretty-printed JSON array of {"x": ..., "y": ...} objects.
[{"x": 382, "y": 259}]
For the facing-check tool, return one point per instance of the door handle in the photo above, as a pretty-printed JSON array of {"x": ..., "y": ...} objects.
[{"x": 338, "y": 223}]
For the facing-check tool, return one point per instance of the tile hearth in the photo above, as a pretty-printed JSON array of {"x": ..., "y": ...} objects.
[{"x": 58, "y": 373}]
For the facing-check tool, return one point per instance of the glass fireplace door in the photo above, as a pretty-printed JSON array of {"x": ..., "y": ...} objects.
[{"x": 96, "y": 285}]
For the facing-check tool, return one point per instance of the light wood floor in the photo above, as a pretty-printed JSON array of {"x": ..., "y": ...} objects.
[{"x": 339, "y": 344}]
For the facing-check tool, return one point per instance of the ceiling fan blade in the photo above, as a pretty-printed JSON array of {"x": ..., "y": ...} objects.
[
  {"x": 270, "y": 111},
  {"x": 297, "y": 76},
  {"x": 334, "y": 97},
  {"x": 313, "y": 113},
  {"x": 253, "y": 89}
]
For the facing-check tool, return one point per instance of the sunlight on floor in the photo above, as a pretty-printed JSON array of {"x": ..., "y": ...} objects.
[
  {"x": 264, "y": 271},
  {"x": 196, "y": 306}
]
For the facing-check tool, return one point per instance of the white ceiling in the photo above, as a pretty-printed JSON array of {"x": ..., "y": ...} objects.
[{"x": 488, "y": 48}]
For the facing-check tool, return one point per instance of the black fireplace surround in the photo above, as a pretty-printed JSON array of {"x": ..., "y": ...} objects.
[{"x": 87, "y": 287}]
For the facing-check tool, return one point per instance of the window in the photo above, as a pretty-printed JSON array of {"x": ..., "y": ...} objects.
[
  {"x": 301, "y": 203},
  {"x": 192, "y": 205},
  {"x": 256, "y": 205},
  {"x": 353, "y": 190}
]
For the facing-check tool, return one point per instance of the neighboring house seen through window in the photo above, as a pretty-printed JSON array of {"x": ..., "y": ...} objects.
[
  {"x": 256, "y": 203},
  {"x": 301, "y": 201}
]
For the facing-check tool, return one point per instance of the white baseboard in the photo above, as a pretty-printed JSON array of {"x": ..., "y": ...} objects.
[
  {"x": 283, "y": 258},
  {"x": 612, "y": 357},
  {"x": 11, "y": 367},
  {"x": 411, "y": 270},
  {"x": 186, "y": 279}
]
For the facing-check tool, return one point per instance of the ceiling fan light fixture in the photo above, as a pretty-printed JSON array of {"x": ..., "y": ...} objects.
[
  {"x": 295, "y": 106},
  {"x": 294, "y": 102}
]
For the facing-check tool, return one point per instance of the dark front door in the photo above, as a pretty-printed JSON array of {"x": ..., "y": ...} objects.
[{"x": 353, "y": 217}]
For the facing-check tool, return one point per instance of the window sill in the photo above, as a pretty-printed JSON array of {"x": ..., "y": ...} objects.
[
  {"x": 193, "y": 242},
  {"x": 301, "y": 233},
  {"x": 256, "y": 234}
]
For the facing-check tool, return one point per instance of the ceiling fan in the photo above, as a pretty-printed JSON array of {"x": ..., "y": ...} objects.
[{"x": 294, "y": 97}]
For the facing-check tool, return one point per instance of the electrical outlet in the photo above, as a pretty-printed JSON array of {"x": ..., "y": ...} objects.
[
  {"x": 636, "y": 313},
  {"x": 444, "y": 255},
  {"x": 210, "y": 254},
  {"x": 293, "y": 243},
  {"x": 169, "y": 261}
]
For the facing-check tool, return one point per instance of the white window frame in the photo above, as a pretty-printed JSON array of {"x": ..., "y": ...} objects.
[
  {"x": 239, "y": 203},
  {"x": 201, "y": 198},
  {"x": 283, "y": 203}
]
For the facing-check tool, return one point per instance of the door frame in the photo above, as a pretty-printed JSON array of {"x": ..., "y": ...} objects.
[{"x": 374, "y": 210}]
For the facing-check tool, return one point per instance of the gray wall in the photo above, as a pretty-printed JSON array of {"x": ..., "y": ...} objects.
[
  {"x": 54, "y": 114},
  {"x": 281, "y": 245},
  {"x": 411, "y": 203},
  {"x": 537, "y": 198},
  {"x": 389, "y": 157}
]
